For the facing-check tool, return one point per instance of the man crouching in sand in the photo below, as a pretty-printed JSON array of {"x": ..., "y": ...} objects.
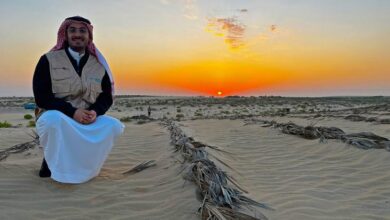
[{"x": 73, "y": 88}]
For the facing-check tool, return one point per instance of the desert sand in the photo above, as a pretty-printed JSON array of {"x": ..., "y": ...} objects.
[{"x": 298, "y": 178}]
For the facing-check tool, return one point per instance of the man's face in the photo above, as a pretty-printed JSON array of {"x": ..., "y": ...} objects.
[{"x": 77, "y": 36}]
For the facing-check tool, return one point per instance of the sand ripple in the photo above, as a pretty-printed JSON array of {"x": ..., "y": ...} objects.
[
  {"x": 302, "y": 179},
  {"x": 156, "y": 193}
]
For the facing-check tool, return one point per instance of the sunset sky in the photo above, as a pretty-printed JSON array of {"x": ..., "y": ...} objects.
[{"x": 202, "y": 47}]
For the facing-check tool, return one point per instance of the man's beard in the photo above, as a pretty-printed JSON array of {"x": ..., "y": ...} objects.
[{"x": 78, "y": 48}]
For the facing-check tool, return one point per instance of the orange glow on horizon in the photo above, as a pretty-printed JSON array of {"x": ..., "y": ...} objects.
[{"x": 214, "y": 48}]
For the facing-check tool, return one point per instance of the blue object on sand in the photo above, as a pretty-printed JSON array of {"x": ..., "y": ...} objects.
[{"x": 30, "y": 106}]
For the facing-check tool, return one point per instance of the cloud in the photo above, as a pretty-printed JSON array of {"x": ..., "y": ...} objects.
[
  {"x": 273, "y": 28},
  {"x": 229, "y": 28},
  {"x": 190, "y": 10},
  {"x": 165, "y": 2},
  {"x": 244, "y": 10}
]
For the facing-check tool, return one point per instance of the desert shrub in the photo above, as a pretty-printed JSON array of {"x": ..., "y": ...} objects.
[
  {"x": 28, "y": 116},
  {"x": 5, "y": 124},
  {"x": 31, "y": 123},
  {"x": 198, "y": 114},
  {"x": 125, "y": 119}
]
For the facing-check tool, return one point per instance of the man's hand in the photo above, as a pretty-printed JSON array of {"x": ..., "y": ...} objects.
[
  {"x": 84, "y": 116},
  {"x": 90, "y": 117}
]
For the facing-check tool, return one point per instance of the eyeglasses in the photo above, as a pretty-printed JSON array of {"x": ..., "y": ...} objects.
[{"x": 73, "y": 30}]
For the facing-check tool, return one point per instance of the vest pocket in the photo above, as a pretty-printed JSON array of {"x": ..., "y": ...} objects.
[
  {"x": 60, "y": 73},
  {"x": 95, "y": 87},
  {"x": 60, "y": 68},
  {"x": 61, "y": 86},
  {"x": 93, "y": 92}
]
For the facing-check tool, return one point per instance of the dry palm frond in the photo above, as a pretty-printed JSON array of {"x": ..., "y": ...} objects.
[
  {"x": 222, "y": 162},
  {"x": 331, "y": 132},
  {"x": 384, "y": 121},
  {"x": 355, "y": 118},
  {"x": 308, "y": 132},
  {"x": 220, "y": 200},
  {"x": 20, "y": 147},
  {"x": 363, "y": 140},
  {"x": 198, "y": 144},
  {"x": 366, "y": 140},
  {"x": 144, "y": 165},
  {"x": 209, "y": 211},
  {"x": 367, "y": 135}
]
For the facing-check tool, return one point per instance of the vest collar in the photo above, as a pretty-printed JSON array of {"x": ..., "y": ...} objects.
[{"x": 76, "y": 56}]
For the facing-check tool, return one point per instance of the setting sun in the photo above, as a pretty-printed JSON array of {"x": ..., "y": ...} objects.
[{"x": 219, "y": 93}]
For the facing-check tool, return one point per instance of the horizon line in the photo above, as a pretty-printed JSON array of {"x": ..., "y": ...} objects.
[{"x": 230, "y": 96}]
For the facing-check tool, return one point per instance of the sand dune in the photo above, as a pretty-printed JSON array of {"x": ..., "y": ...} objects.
[
  {"x": 156, "y": 193},
  {"x": 302, "y": 179}
]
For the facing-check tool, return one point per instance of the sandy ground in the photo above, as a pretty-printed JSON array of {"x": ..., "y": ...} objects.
[
  {"x": 299, "y": 178},
  {"x": 156, "y": 193}
]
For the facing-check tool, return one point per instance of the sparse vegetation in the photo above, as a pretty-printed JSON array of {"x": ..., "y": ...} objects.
[
  {"x": 139, "y": 108},
  {"x": 5, "y": 124},
  {"x": 125, "y": 119},
  {"x": 28, "y": 116},
  {"x": 198, "y": 114},
  {"x": 140, "y": 122},
  {"x": 31, "y": 123}
]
